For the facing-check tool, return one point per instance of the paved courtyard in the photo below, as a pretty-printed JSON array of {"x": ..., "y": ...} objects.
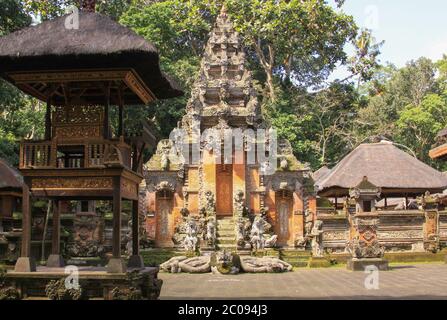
[{"x": 419, "y": 281}]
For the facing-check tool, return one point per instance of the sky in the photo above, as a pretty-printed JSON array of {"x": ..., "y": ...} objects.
[{"x": 410, "y": 28}]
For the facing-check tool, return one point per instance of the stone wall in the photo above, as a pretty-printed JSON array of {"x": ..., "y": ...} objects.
[
  {"x": 398, "y": 231},
  {"x": 443, "y": 228}
]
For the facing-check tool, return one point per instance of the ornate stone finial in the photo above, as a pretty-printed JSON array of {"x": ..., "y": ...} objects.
[
  {"x": 223, "y": 11},
  {"x": 88, "y": 5}
]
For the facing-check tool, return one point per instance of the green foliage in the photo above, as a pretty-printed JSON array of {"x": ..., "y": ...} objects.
[
  {"x": 12, "y": 16},
  {"x": 46, "y": 9},
  {"x": 295, "y": 41}
]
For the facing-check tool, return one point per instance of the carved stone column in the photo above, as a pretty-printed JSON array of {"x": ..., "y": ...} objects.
[
  {"x": 364, "y": 246},
  {"x": 431, "y": 233}
]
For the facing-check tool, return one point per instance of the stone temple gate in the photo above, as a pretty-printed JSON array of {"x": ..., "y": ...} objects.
[{"x": 211, "y": 194}]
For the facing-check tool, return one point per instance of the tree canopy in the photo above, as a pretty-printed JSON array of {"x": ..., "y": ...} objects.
[{"x": 292, "y": 47}]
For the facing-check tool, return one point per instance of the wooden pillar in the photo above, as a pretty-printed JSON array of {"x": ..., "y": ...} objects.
[
  {"x": 106, "y": 124},
  {"x": 25, "y": 263},
  {"x": 56, "y": 241},
  {"x": 135, "y": 229},
  {"x": 117, "y": 205},
  {"x": 116, "y": 264},
  {"x": 135, "y": 261},
  {"x": 55, "y": 260},
  {"x": 48, "y": 120},
  {"x": 121, "y": 113}
]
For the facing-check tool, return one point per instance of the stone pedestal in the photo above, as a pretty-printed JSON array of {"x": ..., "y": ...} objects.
[
  {"x": 116, "y": 265},
  {"x": 355, "y": 264},
  {"x": 55, "y": 261},
  {"x": 135, "y": 261},
  {"x": 25, "y": 264}
]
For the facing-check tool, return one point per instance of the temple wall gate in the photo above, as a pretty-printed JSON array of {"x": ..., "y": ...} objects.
[{"x": 225, "y": 164}]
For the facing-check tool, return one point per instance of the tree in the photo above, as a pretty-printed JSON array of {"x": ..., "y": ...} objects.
[
  {"x": 299, "y": 42},
  {"x": 418, "y": 125},
  {"x": 12, "y": 16}
]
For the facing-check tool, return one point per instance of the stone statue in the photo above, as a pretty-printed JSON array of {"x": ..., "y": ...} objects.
[
  {"x": 240, "y": 232},
  {"x": 211, "y": 231},
  {"x": 200, "y": 264},
  {"x": 191, "y": 241},
  {"x": 264, "y": 264},
  {"x": 271, "y": 242},
  {"x": 164, "y": 162},
  {"x": 210, "y": 204},
  {"x": 172, "y": 265},
  {"x": 257, "y": 234},
  {"x": 360, "y": 249},
  {"x": 184, "y": 264},
  {"x": 317, "y": 239},
  {"x": 239, "y": 204},
  {"x": 308, "y": 222},
  {"x": 224, "y": 263}
]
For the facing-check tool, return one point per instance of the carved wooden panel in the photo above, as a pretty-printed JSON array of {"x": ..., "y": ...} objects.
[
  {"x": 129, "y": 188},
  {"x": 77, "y": 132},
  {"x": 224, "y": 189},
  {"x": 72, "y": 183}
]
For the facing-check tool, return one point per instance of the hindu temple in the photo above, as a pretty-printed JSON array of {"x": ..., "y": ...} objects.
[{"x": 225, "y": 190}]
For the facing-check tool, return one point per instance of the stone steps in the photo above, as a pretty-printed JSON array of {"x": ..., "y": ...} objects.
[
  {"x": 227, "y": 247},
  {"x": 296, "y": 258},
  {"x": 226, "y": 239}
]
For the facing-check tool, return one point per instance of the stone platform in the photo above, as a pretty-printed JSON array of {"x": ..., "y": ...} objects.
[
  {"x": 361, "y": 264},
  {"x": 418, "y": 281},
  {"x": 95, "y": 281}
]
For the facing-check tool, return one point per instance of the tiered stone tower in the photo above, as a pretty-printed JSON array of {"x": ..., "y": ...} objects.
[
  {"x": 223, "y": 90},
  {"x": 212, "y": 186}
]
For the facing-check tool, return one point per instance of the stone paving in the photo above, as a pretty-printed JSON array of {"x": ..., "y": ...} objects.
[{"x": 419, "y": 281}]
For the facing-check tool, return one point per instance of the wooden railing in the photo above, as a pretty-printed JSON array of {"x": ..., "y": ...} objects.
[
  {"x": 35, "y": 154},
  {"x": 95, "y": 153}
]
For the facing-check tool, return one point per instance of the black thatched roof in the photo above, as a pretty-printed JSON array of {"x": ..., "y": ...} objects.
[
  {"x": 386, "y": 166},
  {"x": 9, "y": 177},
  {"x": 99, "y": 43}
]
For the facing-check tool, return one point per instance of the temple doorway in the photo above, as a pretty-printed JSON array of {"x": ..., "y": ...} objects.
[
  {"x": 224, "y": 190},
  {"x": 284, "y": 207},
  {"x": 164, "y": 206}
]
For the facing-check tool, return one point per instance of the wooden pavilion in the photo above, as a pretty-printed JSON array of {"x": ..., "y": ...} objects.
[
  {"x": 81, "y": 74},
  {"x": 395, "y": 172}
]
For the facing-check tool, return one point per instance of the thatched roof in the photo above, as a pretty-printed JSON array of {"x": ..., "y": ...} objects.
[
  {"x": 99, "y": 43},
  {"x": 442, "y": 133},
  {"x": 386, "y": 166},
  {"x": 320, "y": 173},
  {"x": 9, "y": 177}
]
